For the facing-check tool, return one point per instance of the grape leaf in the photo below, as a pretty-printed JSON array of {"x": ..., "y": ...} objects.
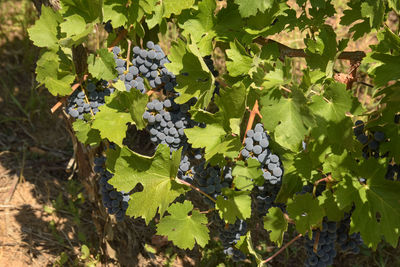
[
  {"x": 249, "y": 8},
  {"x": 60, "y": 85},
  {"x": 194, "y": 79},
  {"x": 237, "y": 205},
  {"x": 247, "y": 174},
  {"x": 127, "y": 167},
  {"x": 155, "y": 174},
  {"x": 305, "y": 211},
  {"x": 45, "y": 31},
  {"x": 232, "y": 104},
  {"x": 85, "y": 134},
  {"x": 112, "y": 120},
  {"x": 289, "y": 118},
  {"x": 176, "y": 6},
  {"x": 221, "y": 143},
  {"x": 240, "y": 62},
  {"x": 137, "y": 107},
  {"x": 90, "y": 10},
  {"x": 334, "y": 131},
  {"x": 116, "y": 11},
  {"x": 322, "y": 50},
  {"x": 182, "y": 229},
  {"x": 73, "y": 25},
  {"x": 388, "y": 70},
  {"x": 200, "y": 26},
  {"x": 276, "y": 224},
  {"x": 53, "y": 69},
  {"x": 327, "y": 201},
  {"x": 103, "y": 65},
  {"x": 377, "y": 213}
]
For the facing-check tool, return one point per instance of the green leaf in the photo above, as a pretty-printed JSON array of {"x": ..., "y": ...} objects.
[
  {"x": 249, "y": 8},
  {"x": 288, "y": 118},
  {"x": 115, "y": 11},
  {"x": 276, "y": 224},
  {"x": 246, "y": 174},
  {"x": 103, "y": 65},
  {"x": 388, "y": 70},
  {"x": 334, "y": 130},
  {"x": 85, "y": 134},
  {"x": 305, "y": 211},
  {"x": 127, "y": 167},
  {"x": 111, "y": 121},
  {"x": 251, "y": 249},
  {"x": 237, "y": 205},
  {"x": 53, "y": 70},
  {"x": 377, "y": 213},
  {"x": 332, "y": 211},
  {"x": 44, "y": 32},
  {"x": 232, "y": 103},
  {"x": 137, "y": 107},
  {"x": 200, "y": 26},
  {"x": 195, "y": 79},
  {"x": 160, "y": 187},
  {"x": 322, "y": 50},
  {"x": 221, "y": 143},
  {"x": 182, "y": 229},
  {"x": 73, "y": 25},
  {"x": 240, "y": 62},
  {"x": 176, "y": 6},
  {"x": 90, "y": 10},
  {"x": 59, "y": 85}
]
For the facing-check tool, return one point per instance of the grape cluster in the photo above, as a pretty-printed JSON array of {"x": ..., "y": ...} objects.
[
  {"x": 193, "y": 169},
  {"x": 256, "y": 146},
  {"x": 210, "y": 65},
  {"x": 115, "y": 202},
  {"x": 88, "y": 100},
  {"x": 167, "y": 121},
  {"x": 370, "y": 143},
  {"x": 230, "y": 234},
  {"x": 145, "y": 64},
  {"x": 348, "y": 243},
  {"x": 371, "y": 148},
  {"x": 325, "y": 247}
]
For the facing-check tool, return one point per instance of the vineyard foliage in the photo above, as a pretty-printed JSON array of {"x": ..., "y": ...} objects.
[{"x": 309, "y": 120}]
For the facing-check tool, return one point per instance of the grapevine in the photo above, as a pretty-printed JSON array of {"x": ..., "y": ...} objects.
[{"x": 310, "y": 157}]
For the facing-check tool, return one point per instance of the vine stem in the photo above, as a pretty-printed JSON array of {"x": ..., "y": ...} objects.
[
  {"x": 282, "y": 248},
  {"x": 253, "y": 113},
  {"x": 120, "y": 36},
  {"x": 197, "y": 189},
  {"x": 286, "y": 51}
]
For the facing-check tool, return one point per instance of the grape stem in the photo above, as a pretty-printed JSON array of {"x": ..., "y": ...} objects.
[
  {"x": 282, "y": 248},
  {"x": 120, "y": 36},
  {"x": 315, "y": 246},
  {"x": 197, "y": 189},
  {"x": 253, "y": 113},
  {"x": 326, "y": 179},
  {"x": 128, "y": 56},
  {"x": 87, "y": 101},
  {"x": 207, "y": 211}
]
